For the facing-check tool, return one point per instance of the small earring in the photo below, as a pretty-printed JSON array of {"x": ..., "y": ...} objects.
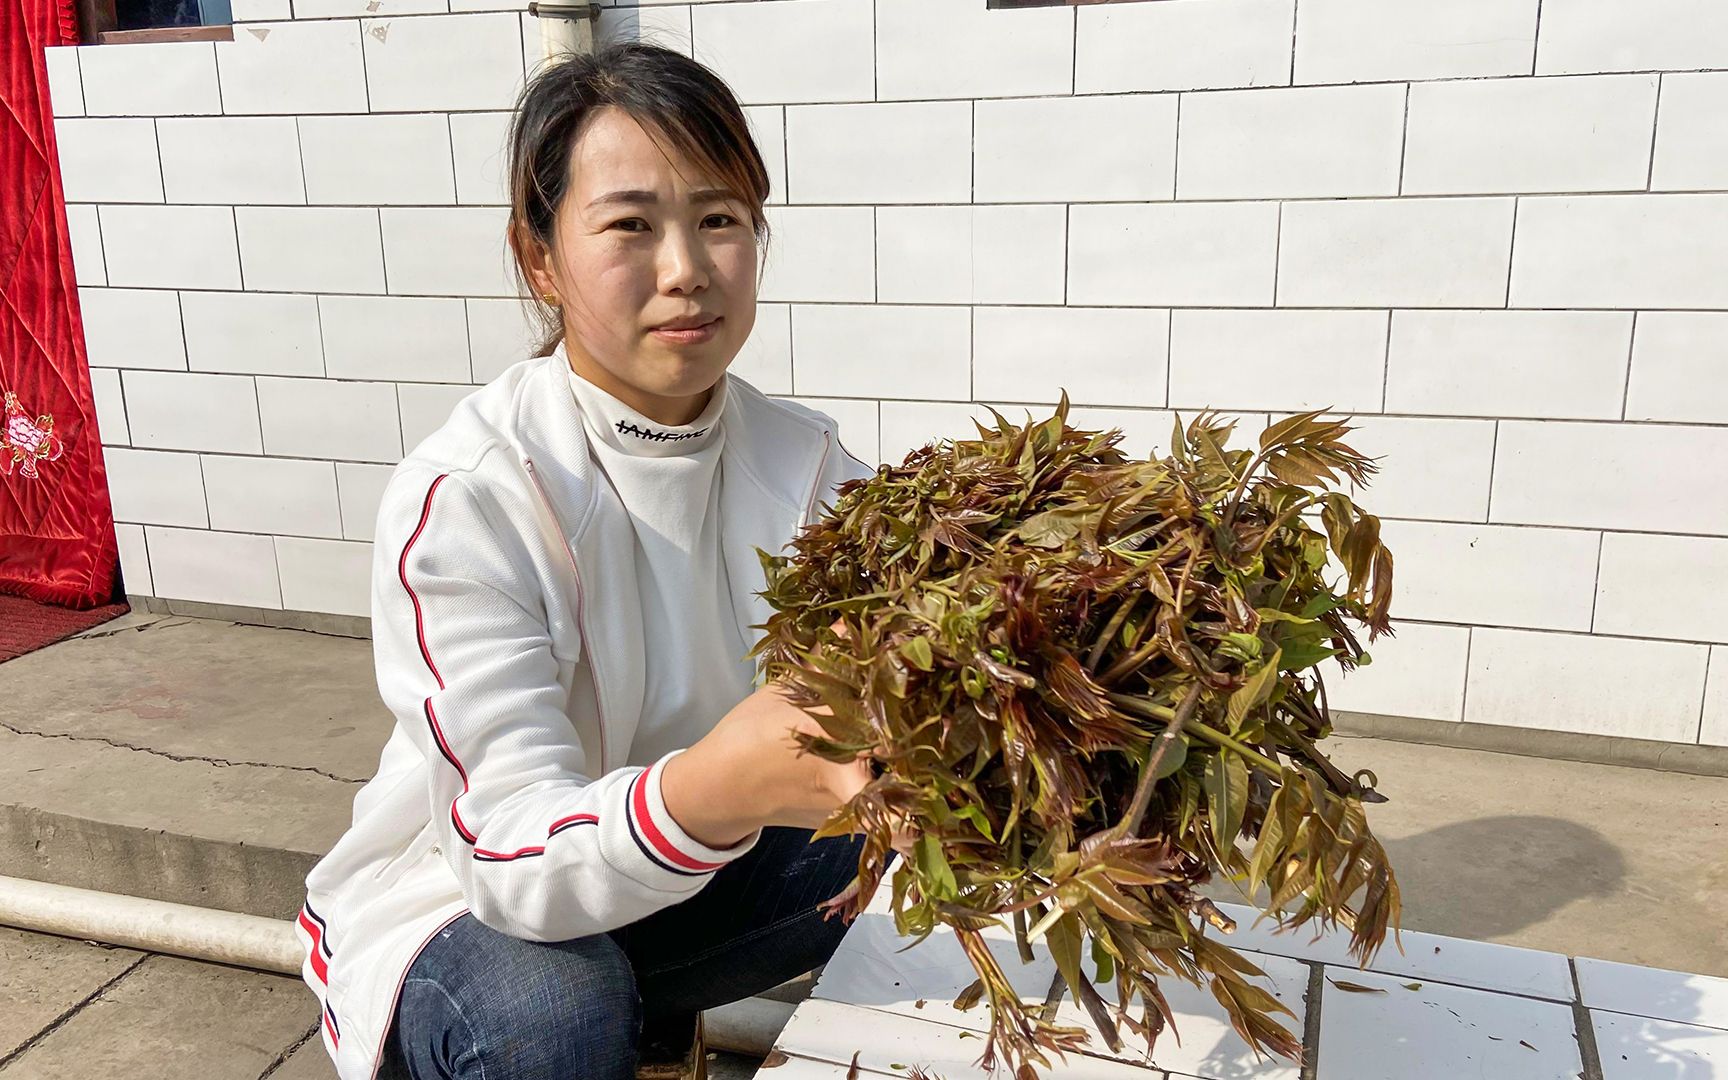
[{"x": 550, "y": 298}]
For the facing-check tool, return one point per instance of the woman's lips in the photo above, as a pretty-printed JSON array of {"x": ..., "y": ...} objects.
[{"x": 693, "y": 336}]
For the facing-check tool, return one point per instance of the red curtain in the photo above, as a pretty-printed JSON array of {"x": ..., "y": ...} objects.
[{"x": 56, "y": 527}]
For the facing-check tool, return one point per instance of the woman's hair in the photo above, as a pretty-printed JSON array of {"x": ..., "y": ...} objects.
[{"x": 666, "y": 92}]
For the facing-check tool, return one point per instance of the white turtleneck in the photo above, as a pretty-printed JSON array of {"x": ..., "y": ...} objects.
[{"x": 669, "y": 479}]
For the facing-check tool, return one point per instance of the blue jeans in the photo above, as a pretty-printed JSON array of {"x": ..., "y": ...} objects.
[{"x": 479, "y": 1004}]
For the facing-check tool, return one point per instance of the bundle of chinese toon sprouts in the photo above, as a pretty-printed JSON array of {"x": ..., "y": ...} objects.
[{"x": 1090, "y": 684}]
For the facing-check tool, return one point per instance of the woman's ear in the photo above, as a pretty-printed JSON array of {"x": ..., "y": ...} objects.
[{"x": 534, "y": 259}]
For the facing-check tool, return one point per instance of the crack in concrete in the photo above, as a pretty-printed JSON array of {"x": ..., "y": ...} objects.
[
  {"x": 288, "y": 1053},
  {"x": 60, "y": 1021},
  {"x": 178, "y": 757},
  {"x": 97, "y": 635}
]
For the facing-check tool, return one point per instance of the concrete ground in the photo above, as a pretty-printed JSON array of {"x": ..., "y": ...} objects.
[
  {"x": 211, "y": 763},
  {"x": 76, "y": 1010}
]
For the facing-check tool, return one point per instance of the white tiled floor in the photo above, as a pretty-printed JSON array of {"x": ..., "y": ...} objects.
[{"x": 1443, "y": 1009}]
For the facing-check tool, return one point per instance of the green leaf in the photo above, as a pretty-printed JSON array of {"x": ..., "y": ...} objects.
[
  {"x": 1226, "y": 796},
  {"x": 1252, "y": 693},
  {"x": 917, "y": 652},
  {"x": 936, "y": 877}
]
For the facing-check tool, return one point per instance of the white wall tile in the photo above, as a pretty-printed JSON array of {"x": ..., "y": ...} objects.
[
  {"x": 85, "y": 235},
  {"x": 377, "y": 160},
  {"x": 1418, "y": 671},
  {"x": 958, "y": 49},
  {"x": 325, "y": 575},
  {"x": 109, "y": 159},
  {"x": 166, "y": 78},
  {"x": 767, "y": 125},
  {"x": 1300, "y": 142},
  {"x": 361, "y": 490},
  {"x": 899, "y": 152},
  {"x": 425, "y": 407},
  {"x": 1562, "y": 364},
  {"x": 666, "y": 25},
  {"x": 338, "y": 9},
  {"x": 847, "y": 350},
  {"x": 447, "y": 251},
  {"x": 1578, "y": 682},
  {"x": 1715, "y": 729},
  {"x": 327, "y": 419},
  {"x": 1692, "y": 133},
  {"x": 213, "y": 567},
  {"x": 110, "y": 406},
  {"x": 132, "y": 328},
  {"x": 1622, "y": 251},
  {"x": 189, "y": 247},
  {"x": 1395, "y": 252},
  {"x": 408, "y": 338},
  {"x": 1376, "y": 40},
  {"x": 272, "y": 495},
  {"x": 1663, "y": 587},
  {"x": 1179, "y": 254},
  {"x": 1145, "y": 432},
  {"x": 293, "y": 67},
  {"x": 907, "y": 425},
  {"x": 65, "y": 88},
  {"x": 749, "y": 45},
  {"x": 1441, "y": 1030},
  {"x": 860, "y": 424},
  {"x": 479, "y": 141},
  {"x": 820, "y": 253},
  {"x": 1609, "y": 476},
  {"x": 1110, "y": 356},
  {"x": 500, "y": 333},
  {"x": 1637, "y": 990},
  {"x": 970, "y": 254},
  {"x": 134, "y": 560},
  {"x": 1434, "y": 470},
  {"x": 155, "y": 488},
  {"x": 245, "y": 11},
  {"x": 252, "y": 333},
  {"x": 1609, "y": 35},
  {"x": 253, "y": 159},
  {"x": 765, "y": 361},
  {"x": 1183, "y": 45},
  {"x": 1074, "y": 149},
  {"x": 1278, "y": 359},
  {"x": 310, "y": 248},
  {"x": 1674, "y": 353},
  {"x": 444, "y": 62},
  {"x": 1591, "y": 133},
  {"x": 177, "y": 410},
  {"x": 1496, "y": 575}
]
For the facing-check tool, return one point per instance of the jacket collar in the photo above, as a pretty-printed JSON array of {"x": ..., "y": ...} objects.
[{"x": 773, "y": 449}]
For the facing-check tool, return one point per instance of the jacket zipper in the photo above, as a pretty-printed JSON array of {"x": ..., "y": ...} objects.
[{"x": 570, "y": 554}]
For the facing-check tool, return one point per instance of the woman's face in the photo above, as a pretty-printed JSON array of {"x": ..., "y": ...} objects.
[{"x": 640, "y": 241}]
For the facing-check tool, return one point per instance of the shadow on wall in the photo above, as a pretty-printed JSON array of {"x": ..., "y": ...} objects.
[{"x": 1490, "y": 877}]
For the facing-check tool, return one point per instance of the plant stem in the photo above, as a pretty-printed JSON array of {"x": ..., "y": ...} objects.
[
  {"x": 1218, "y": 738},
  {"x": 1130, "y": 825}
]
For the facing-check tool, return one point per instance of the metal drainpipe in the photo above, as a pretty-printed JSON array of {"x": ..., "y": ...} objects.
[{"x": 566, "y": 26}]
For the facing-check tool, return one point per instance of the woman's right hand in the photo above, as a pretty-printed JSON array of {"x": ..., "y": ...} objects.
[{"x": 749, "y": 772}]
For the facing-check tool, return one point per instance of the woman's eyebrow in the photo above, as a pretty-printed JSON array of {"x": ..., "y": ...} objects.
[{"x": 704, "y": 195}]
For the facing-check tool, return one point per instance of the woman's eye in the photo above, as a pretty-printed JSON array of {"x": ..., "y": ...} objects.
[{"x": 624, "y": 221}]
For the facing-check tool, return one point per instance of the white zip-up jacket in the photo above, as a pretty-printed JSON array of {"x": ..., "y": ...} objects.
[{"x": 509, "y": 647}]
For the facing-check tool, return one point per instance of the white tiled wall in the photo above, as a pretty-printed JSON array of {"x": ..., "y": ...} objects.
[{"x": 1495, "y": 232}]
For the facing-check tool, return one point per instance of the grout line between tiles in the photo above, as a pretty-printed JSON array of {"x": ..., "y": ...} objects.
[
  {"x": 1311, "y": 1021},
  {"x": 1585, "y": 1031}
]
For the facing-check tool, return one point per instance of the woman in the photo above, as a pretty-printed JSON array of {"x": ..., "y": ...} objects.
[{"x": 589, "y": 823}]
